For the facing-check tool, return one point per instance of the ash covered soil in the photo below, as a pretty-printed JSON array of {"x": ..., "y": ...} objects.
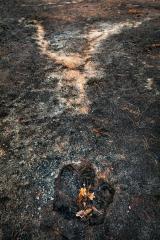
[{"x": 79, "y": 83}]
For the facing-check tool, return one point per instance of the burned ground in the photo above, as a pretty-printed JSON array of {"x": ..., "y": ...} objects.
[{"x": 79, "y": 82}]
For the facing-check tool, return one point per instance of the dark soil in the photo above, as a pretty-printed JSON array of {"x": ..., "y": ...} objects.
[{"x": 79, "y": 82}]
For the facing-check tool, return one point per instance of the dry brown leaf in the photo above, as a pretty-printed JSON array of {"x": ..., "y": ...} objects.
[
  {"x": 85, "y": 194},
  {"x": 80, "y": 214},
  {"x": 82, "y": 195},
  {"x": 84, "y": 213},
  {"x": 82, "y": 192},
  {"x": 91, "y": 196}
]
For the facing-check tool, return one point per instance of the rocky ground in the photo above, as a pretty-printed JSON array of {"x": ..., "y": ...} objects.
[{"x": 79, "y": 86}]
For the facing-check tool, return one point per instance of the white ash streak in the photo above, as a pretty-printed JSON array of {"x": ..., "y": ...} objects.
[{"x": 71, "y": 76}]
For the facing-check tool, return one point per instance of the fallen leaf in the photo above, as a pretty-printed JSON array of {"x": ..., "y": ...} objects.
[
  {"x": 83, "y": 192},
  {"x": 80, "y": 214},
  {"x": 84, "y": 213},
  {"x": 82, "y": 195},
  {"x": 91, "y": 196}
]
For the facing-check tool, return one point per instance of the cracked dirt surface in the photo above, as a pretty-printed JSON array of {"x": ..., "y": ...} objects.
[{"x": 79, "y": 81}]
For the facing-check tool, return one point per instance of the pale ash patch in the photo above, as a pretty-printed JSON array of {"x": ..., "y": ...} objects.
[{"x": 71, "y": 76}]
